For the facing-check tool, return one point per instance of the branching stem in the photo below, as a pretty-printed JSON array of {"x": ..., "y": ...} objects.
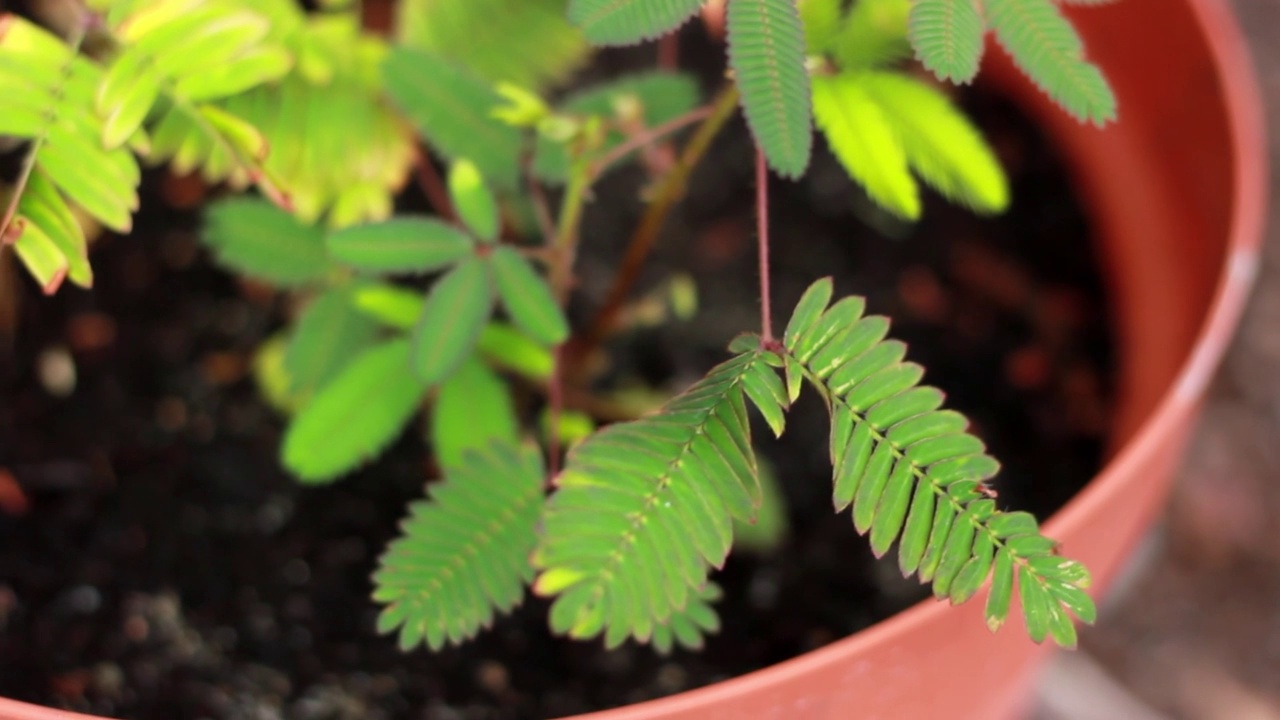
[
  {"x": 641, "y": 139},
  {"x": 670, "y": 189}
]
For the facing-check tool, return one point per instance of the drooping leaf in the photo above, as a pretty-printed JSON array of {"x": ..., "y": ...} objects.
[
  {"x": 915, "y": 476},
  {"x": 401, "y": 245},
  {"x": 256, "y": 238},
  {"x": 627, "y": 22},
  {"x": 643, "y": 508},
  {"x": 940, "y": 143},
  {"x": 527, "y": 297},
  {"x": 329, "y": 334},
  {"x": 472, "y": 409},
  {"x": 475, "y": 204},
  {"x": 767, "y": 55},
  {"x": 41, "y": 206},
  {"x": 462, "y": 556},
  {"x": 452, "y": 109},
  {"x": 351, "y": 419},
  {"x": 865, "y": 142},
  {"x": 456, "y": 310},
  {"x": 1045, "y": 45},
  {"x": 947, "y": 36}
]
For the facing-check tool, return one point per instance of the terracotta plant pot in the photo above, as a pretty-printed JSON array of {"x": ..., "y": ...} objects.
[{"x": 1176, "y": 192}]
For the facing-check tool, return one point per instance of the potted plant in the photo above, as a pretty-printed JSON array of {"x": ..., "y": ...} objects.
[{"x": 621, "y": 532}]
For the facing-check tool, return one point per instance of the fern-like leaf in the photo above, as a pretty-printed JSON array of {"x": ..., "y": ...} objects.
[
  {"x": 49, "y": 90},
  {"x": 463, "y": 555},
  {"x": 947, "y": 36},
  {"x": 644, "y": 508},
  {"x": 767, "y": 55},
  {"x": 914, "y": 475},
  {"x": 1047, "y": 48},
  {"x": 627, "y": 22}
]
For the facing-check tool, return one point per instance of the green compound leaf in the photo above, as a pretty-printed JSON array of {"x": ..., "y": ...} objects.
[
  {"x": 472, "y": 409},
  {"x": 865, "y": 142},
  {"x": 539, "y": 46},
  {"x": 463, "y": 555},
  {"x": 687, "y": 627},
  {"x": 527, "y": 297},
  {"x": 473, "y": 200},
  {"x": 1045, "y": 45},
  {"x": 254, "y": 237},
  {"x": 627, "y": 22},
  {"x": 941, "y": 145},
  {"x": 455, "y": 313},
  {"x": 400, "y": 245},
  {"x": 329, "y": 334},
  {"x": 44, "y": 208},
  {"x": 353, "y": 418},
  {"x": 947, "y": 36},
  {"x": 452, "y": 109},
  {"x": 644, "y": 508},
  {"x": 914, "y": 475},
  {"x": 767, "y": 55}
]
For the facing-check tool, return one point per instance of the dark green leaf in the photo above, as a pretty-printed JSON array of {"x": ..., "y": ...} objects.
[
  {"x": 258, "y": 239},
  {"x": 455, "y": 313},
  {"x": 627, "y": 22},
  {"x": 400, "y": 245},
  {"x": 527, "y": 297},
  {"x": 329, "y": 334},
  {"x": 472, "y": 409},
  {"x": 767, "y": 55}
]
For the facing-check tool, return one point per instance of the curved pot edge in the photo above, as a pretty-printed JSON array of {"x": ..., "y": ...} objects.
[{"x": 1246, "y": 126}]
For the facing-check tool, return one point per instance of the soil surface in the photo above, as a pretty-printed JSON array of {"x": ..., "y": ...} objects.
[{"x": 156, "y": 562}]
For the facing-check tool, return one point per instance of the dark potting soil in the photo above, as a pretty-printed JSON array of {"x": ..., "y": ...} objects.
[{"x": 155, "y": 561}]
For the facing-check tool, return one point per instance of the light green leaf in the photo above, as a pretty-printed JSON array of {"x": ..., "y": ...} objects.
[
  {"x": 329, "y": 334},
  {"x": 473, "y": 200},
  {"x": 351, "y": 420},
  {"x": 257, "y": 238},
  {"x": 627, "y": 22},
  {"x": 822, "y": 20},
  {"x": 41, "y": 256},
  {"x": 527, "y": 297},
  {"x": 865, "y": 142},
  {"x": 875, "y": 34},
  {"x": 452, "y": 319},
  {"x": 473, "y": 408},
  {"x": 539, "y": 46},
  {"x": 463, "y": 555},
  {"x": 405, "y": 244},
  {"x": 767, "y": 55}
]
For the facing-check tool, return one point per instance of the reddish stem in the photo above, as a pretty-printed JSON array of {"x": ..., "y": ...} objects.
[
  {"x": 669, "y": 51},
  {"x": 762, "y": 240},
  {"x": 432, "y": 185}
]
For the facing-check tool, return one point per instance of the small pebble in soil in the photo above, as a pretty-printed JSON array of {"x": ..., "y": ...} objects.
[
  {"x": 80, "y": 600},
  {"x": 57, "y": 371}
]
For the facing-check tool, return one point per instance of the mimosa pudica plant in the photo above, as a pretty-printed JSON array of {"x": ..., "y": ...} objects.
[{"x": 327, "y": 121}]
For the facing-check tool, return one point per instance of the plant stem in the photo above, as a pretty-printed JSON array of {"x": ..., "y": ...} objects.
[
  {"x": 565, "y": 244},
  {"x": 432, "y": 185},
  {"x": 762, "y": 243},
  {"x": 645, "y": 137},
  {"x": 670, "y": 189},
  {"x": 555, "y": 398}
]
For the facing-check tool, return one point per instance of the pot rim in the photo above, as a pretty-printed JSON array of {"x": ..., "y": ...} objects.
[{"x": 1245, "y": 120}]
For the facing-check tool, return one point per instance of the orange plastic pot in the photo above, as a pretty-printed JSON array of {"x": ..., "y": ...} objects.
[{"x": 1176, "y": 191}]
